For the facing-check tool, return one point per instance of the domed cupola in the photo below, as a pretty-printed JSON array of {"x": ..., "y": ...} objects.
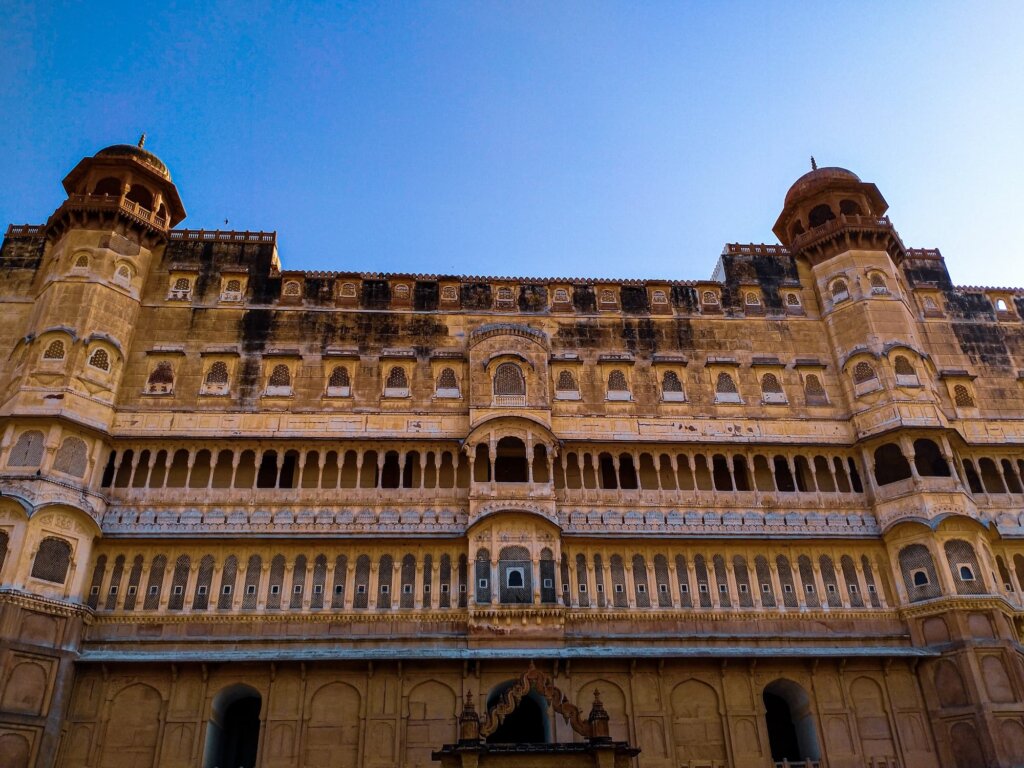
[
  {"x": 829, "y": 210},
  {"x": 123, "y": 185}
]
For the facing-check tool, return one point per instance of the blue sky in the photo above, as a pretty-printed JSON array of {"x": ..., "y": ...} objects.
[{"x": 546, "y": 139}]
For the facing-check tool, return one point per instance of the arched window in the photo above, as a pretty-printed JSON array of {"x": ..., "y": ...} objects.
[
  {"x": 792, "y": 300},
  {"x": 100, "y": 359},
  {"x": 511, "y": 464},
  {"x": 81, "y": 262},
  {"x": 890, "y": 464},
  {"x": 447, "y": 384},
  {"x": 509, "y": 385},
  {"x": 607, "y": 296},
  {"x": 232, "y": 735},
  {"x": 71, "y": 457},
  {"x": 28, "y": 451},
  {"x": 725, "y": 389},
  {"x": 906, "y": 375},
  {"x": 1001, "y": 305},
  {"x": 54, "y": 350},
  {"x": 618, "y": 387},
  {"x": 181, "y": 289},
  {"x": 840, "y": 291},
  {"x": 339, "y": 384},
  {"x": 930, "y": 305},
  {"x": 216, "y": 381},
  {"x": 109, "y": 187},
  {"x": 659, "y": 297},
  {"x": 928, "y": 459},
  {"x": 280, "y": 381},
  {"x": 123, "y": 275},
  {"x": 292, "y": 289},
  {"x": 348, "y": 290},
  {"x": 561, "y": 296},
  {"x": 672, "y": 387},
  {"x": 814, "y": 392},
  {"x": 710, "y": 298},
  {"x": 878, "y": 284},
  {"x": 161, "y": 379},
  {"x": 751, "y": 299},
  {"x": 232, "y": 290},
  {"x": 771, "y": 389},
  {"x": 864, "y": 378},
  {"x": 566, "y": 387},
  {"x": 792, "y": 734},
  {"x": 53, "y": 559},
  {"x": 397, "y": 383},
  {"x": 962, "y": 396}
]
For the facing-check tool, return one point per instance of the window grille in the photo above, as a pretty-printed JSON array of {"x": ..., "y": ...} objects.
[
  {"x": 53, "y": 559},
  {"x": 134, "y": 577},
  {"x": 4, "y": 543},
  {"x": 963, "y": 563},
  {"x": 216, "y": 381},
  {"x": 397, "y": 384},
  {"x": 566, "y": 382},
  {"x": 82, "y": 262},
  {"x": 878, "y": 285},
  {"x": 962, "y": 396},
  {"x": 906, "y": 375},
  {"x": 771, "y": 389},
  {"x": 123, "y": 274},
  {"x": 292, "y": 288},
  {"x": 752, "y": 299},
  {"x": 201, "y": 598},
  {"x": 340, "y": 573},
  {"x": 447, "y": 384},
  {"x": 709, "y": 297},
  {"x": 71, "y": 458},
  {"x": 161, "y": 379},
  {"x": 253, "y": 570},
  {"x": 863, "y": 373},
  {"x": 789, "y": 599},
  {"x": 725, "y": 389},
  {"x": 792, "y": 300},
  {"x": 509, "y": 385},
  {"x": 339, "y": 384},
  {"x": 618, "y": 388},
  {"x": 828, "y": 576},
  {"x": 840, "y": 291},
  {"x": 348, "y": 290},
  {"x": 227, "y": 583},
  {"x": 54, "y": 351},
  {"x": 807, "y": 578},
  {"x": 298, "y": 582},
  {"x": 100, "y": 360},
  {"x": 280, "y": 376},
  {"x": 178, "y": 582},
  {"x": 28, "y": 451}
]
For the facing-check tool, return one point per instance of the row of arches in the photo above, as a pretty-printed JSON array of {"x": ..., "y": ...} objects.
[{"x": 274, "y": 582}]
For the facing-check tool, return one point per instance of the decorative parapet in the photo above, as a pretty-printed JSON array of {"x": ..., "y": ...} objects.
[{"x": 39, "y": 491}]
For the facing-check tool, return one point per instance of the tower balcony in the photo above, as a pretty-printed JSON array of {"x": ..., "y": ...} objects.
[
  {"x": 78, "y": 209},
  {"x": 852, "y": 230}
]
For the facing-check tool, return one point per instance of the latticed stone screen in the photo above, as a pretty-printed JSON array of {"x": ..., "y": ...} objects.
[
  {"x": 53, "y": 558},
  {"x": 508, "y": 380},
  {"x": 251, "y": 585},
  {"x": 227, "y": 583},
  {"x": 828, "y": 575},
  {"x": 918, "y": 571},
  {"x": 361, "y": 597},
  {"x": 739, "y": 567},
  {"x": 515, "y": 572},
  {"x": 850, "y": 577},
  {"x": 71, "y": 458},
  {"x": 204, "y": 583},
  {"x": 700, "y": 566},
  {"x": 807, "y": 582},
  {"x": 683, "y": 577},
  {"x": 722, "y": 583},
  {"x": 963, "y": 563},
  {"x": 764, "y": 579},
  {"x": 275, "y": 584},
  {"x": 298, "y": 582},
  {"x": 155, "y": 583},
  {"x": 28, "y": 450},
  {"x": 640, "y": 584},
  {"x": 619, "y": 598},
  {"x": 179, "y": 580},
  {"x": 789, "y": 587}
]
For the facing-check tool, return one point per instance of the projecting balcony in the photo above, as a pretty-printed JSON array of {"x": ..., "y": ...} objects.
[
  {"x": 109, "y": 203},
  {"x": 844, "y": 224}
]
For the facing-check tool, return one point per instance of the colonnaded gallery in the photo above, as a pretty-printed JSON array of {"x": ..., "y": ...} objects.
[{"x": 253, "y": 516}]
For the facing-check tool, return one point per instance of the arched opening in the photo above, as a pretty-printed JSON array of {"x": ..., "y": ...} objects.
[
  {"x": 510, "y": 463},
  {"x": 929, "y": 460},
  {"x": 109, "y": 187},
  {"x": 791, "y": 732},
  {"x": 232, "y": 734},
  {"x": 890, "y": 464},
  {"x": 850, "y": 208},
  {"x": 140, "y": 195},
  {"x": 819, "y": 215},
  {"x": 526, "y": 724}
]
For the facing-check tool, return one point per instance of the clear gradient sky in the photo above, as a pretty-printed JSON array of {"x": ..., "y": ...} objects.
[{"x": 544, "y": 139}]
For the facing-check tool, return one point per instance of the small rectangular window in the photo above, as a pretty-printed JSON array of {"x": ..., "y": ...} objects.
[
  {"x": 600, "y": 587},
  {"x": 722, "y": 588},
  {"x": 787, "y": 588},
  {"x": 339, "y": 589},
  {"x": 154, "y": 590},
  {"x": 832, "y": 588},
  {"x": 743, "y": 589},
  {"x": 548, "y": 583},
  {"x": 663, "y": 588},
  {"x": 297, "y": 589},
  {"x": 766, "y": 587},
  {"x": 583, "y": 587},
  {"x": 227, "y": 589},
  {"x": 96, "y": 590},
  {"x": 809, "y": 588},
  {"x": 178, "y": 589},
  {"x": 385, "y": 589},
  {"x": 275, "y": 589},
  {"x": 462, "y": 588},
  {"x": 360, "y": 589},
  {"x": 619, "y": 588},
  {"x": 132, "y": 590},
  {"x": 871, "y": 588},
  {"x": 426, "y": 589},
  {"x": 444, "y": 589},
  {"x": 702, "y": 587},
  {"x": 250, "y": 589},
  {"x": 565, "y": 587},
  {"x": 641, "y": 588},
  {"x": 482, "y": 584},
  {"x": 202, "y": 590},
  {"x": 853, "y": 589},
  {"x": 684, "y": 588},
  {"x": 318, "y": 589},
  {"x": 407, "y": 589},
  {"x": 113, "y": 590}
]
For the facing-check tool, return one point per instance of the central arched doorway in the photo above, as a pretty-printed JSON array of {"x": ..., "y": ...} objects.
[
  {"x": 232, "y": 734},
  {"x": 528, "y": 723},
  {"x": 792, "y": 734}
]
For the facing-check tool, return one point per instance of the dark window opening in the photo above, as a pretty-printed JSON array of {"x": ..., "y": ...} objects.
[
  {"x": 526, "y": 724},
  {"x": 510, "y": 466},
  {"x": 232, "y": 736}
]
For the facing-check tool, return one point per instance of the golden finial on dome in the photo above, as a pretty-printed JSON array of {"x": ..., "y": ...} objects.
[{"x": 142, "y": 141}]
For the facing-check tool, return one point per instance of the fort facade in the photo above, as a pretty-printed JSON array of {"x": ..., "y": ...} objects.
[{"x": 256, "y": 516}]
